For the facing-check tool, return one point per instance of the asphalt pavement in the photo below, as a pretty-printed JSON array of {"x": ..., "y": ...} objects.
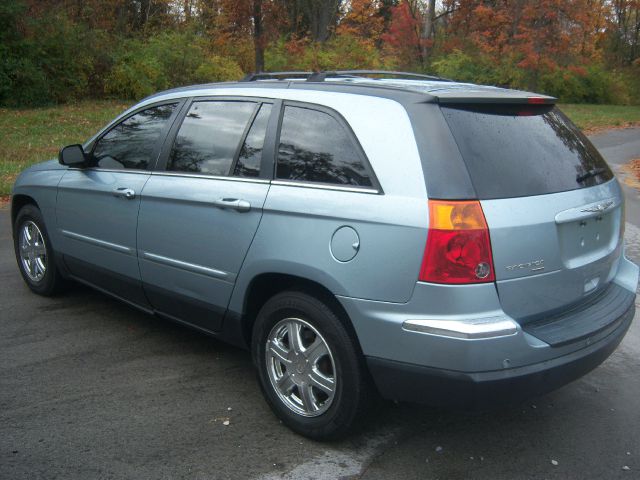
[{"x": 91, "y": 388}]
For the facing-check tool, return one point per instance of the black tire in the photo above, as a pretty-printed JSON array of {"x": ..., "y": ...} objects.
[
  {"x": 352, "y": 392},
  {"x": 51, "y": 281}
]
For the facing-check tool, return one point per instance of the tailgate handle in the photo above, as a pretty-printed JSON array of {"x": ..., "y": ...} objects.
[
  {"x": 234, "y": 203},
  {"x": 587, "y": 211}
]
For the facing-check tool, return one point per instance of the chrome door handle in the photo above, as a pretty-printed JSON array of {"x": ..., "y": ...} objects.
[
  {"x": 234, "y": 203},
  {"x": 124, "y": 192}
]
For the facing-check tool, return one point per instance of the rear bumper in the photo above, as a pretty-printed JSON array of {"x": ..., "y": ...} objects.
[{"x": 481, "y": 390}]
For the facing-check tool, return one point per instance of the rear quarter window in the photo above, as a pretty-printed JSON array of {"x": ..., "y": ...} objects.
[
  {"x": 315, "y": 147},
  {"x": 523, "y": 150}
]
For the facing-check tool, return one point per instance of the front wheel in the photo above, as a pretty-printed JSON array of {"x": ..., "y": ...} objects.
[
  {"x": 34, "y": 253},
  {"x": 309, "y": 367}
]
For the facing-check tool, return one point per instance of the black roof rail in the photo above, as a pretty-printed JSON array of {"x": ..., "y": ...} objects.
[
  {"x": 393, "y": 73},
  {"x": 322, "y": 75},
  {"x": 252, "y": 77}
]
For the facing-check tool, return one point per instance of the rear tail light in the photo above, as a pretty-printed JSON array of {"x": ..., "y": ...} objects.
[{"x": 458, "y": 246}]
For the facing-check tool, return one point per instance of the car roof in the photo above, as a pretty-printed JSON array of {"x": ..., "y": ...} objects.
[{"x": 423, "y": 87}]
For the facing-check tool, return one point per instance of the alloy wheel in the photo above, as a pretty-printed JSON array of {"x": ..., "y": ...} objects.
[
  {"x": 33, "y": 252},
  {"x": 301, "y": 367}
]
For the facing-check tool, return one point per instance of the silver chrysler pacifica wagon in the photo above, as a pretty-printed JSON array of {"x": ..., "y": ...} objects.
[{"x": 434, "y": 241}]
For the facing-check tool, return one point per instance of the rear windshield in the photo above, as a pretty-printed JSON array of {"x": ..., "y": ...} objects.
[{"x": 523, "y": 150}]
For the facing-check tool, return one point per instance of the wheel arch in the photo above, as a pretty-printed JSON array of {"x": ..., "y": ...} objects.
[
  {"x": 265, "y": 285},
  {"x": 17, "y": 202}
]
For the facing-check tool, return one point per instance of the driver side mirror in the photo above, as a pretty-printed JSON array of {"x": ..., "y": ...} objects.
[{"x": 72, "y": 156}]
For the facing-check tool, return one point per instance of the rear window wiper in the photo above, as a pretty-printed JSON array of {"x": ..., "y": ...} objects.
[{"x": 591, "y": 173}]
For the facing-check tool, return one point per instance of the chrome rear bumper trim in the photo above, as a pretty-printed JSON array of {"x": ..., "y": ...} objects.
[{"x": 468, "y": 329}]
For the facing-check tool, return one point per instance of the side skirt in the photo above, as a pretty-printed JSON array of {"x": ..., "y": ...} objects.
[{"x": 216, "y": 322}]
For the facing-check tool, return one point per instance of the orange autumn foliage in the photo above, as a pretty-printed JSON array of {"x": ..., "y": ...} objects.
[
  {"x": 403, "y": 40},
  {"x": 541, "y": 34},
  {"x": 363, "y": 20}
]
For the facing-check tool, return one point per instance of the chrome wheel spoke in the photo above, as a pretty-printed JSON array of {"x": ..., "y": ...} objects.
[
  {"x": 28, "y": 234},
  {"x": 39, "y": 266},
  {"x": 26, "y": 239},
  {"x": 39, "y": 250},
  {"x": 306, "y": 395},
  {"x": 321, "y": 382},
  {"x": 286, "y": 383},
  {"x": 278, "y": 351},
  {"x": 316, "y": 350},
  {"x": 295, "y": 340},
  {"x": 32, "y": 268}
]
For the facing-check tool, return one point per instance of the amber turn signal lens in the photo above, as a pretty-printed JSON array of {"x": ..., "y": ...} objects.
[{"x": 456, "y": 215}]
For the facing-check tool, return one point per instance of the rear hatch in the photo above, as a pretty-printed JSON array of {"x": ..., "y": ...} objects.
[{"x": 552, "y": 206}]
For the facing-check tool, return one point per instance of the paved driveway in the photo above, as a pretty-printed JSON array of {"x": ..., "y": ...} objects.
[{"x": 90, "y": 388}]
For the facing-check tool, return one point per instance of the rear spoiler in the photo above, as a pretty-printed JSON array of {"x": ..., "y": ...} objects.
[{"x": 494, "y": 97}]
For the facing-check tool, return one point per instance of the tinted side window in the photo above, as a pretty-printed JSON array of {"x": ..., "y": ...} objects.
[
  {"x": 209, "y": 137},
  {"x": 248, "y": 164},
  {"x": 132, "y": 143},
  {"x": 315, "y": 147}
]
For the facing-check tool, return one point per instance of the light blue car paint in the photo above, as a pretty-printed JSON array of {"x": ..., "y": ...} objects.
[{"x": 176, "y": 236}]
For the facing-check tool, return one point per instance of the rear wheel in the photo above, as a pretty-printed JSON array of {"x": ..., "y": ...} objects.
[
  {"x": 309, "y": 367},
  {"x": 34, "y": 253}
]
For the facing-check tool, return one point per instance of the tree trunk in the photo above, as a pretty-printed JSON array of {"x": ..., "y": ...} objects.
[
  {"x": 257, "y": 35},
  {"x": 187, "y": 10},
  {"x": 322, "y": 15},
  {"x": 79, "y": 10},
  {"x": 429, "y": 25},
  {"x": 143, "y": 16}
]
